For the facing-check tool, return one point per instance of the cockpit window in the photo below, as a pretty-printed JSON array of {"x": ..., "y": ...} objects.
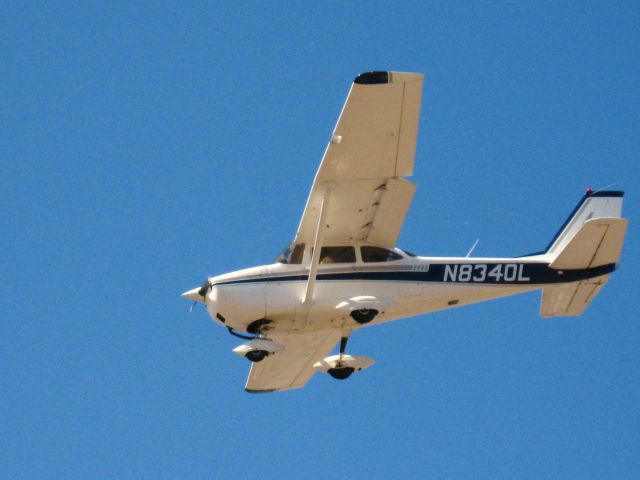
[
  {"x": 292, "y": 254},
  {"x": 297, "y": 254},
  {"x": 378, "y": 254},
  {"x": 337, "y": 255}
]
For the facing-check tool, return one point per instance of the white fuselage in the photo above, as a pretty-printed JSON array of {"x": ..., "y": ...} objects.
[{"x": 405, "y": 287}]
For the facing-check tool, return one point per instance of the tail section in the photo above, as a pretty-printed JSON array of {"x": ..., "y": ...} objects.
[
  {"x": 597, "y": 242},
  {"x": 570, "y": 299},
  {"x": 592, "y": 205},
  {"x": 592, "y": 237}
]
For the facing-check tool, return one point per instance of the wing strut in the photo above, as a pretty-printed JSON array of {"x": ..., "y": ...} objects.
[{"x": 317, "y": 244}]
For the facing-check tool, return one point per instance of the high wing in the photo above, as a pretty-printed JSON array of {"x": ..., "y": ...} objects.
[
  {"x": 360, "y": 194},
  {"x": 293, "y": 366},
  {"x": 371, "y": 149}
]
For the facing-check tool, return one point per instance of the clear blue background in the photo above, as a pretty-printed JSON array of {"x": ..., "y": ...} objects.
[{"x": 144, "y": 146}]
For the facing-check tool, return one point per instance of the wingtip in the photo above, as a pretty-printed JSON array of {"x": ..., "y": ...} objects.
[
  {"x": 372, "y": 78},
  {"x": 378, "y": 77},
  {"x": 249, "y": 390}
]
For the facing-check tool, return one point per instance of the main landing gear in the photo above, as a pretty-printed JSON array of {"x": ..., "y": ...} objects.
[
  {"x": 364, "y": 315},
  {"x": 341, "y": 371},
  {"x": 341, "y": 366}
]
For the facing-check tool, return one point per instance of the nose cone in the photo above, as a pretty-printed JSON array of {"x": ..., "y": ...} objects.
[{"x": 194, "y": 295}]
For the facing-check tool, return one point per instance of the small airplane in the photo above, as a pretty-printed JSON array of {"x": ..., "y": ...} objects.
[{"x": 343, "y": 272}]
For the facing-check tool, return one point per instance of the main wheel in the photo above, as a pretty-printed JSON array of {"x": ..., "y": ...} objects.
[
  {"x": 256, "y": 355},
  {"x": 364, "y": 315},
  {"x": 341, "y": 373}
]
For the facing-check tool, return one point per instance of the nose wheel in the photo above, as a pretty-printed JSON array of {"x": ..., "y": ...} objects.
[
  {"x": 259, "y": 346},
  {"x": 256, "y": 355}
]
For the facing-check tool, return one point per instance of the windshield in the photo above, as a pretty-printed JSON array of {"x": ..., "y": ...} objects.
[{"x": 291, "y": 254}]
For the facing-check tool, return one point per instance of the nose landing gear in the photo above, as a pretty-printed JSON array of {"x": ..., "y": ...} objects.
[
  {"x": 258, "y": 347},
  {"x": 256, "y": 355}
]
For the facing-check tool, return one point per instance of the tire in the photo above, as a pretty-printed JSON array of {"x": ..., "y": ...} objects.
[
  {"x": 364, "y": 315},
  {"x": 256, "y": 355},
  {"x": 341, "y": 373}
]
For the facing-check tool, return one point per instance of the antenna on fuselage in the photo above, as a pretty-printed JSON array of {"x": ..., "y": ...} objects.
[{"x": 472, "y": 248}]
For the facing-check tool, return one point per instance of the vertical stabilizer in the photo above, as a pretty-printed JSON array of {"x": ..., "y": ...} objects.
[
  {"x": 592, "y": 205},
  {"x": 592, "y": 237}
]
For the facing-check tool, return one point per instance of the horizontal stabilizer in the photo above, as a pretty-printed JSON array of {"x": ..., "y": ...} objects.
[
  {"x": 570, "y": 299},
  {"x": 597, "y": 242}
]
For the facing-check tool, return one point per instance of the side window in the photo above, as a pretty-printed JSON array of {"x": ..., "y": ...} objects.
[
  {"x": 337, "y": 255},
  {"x": 377, "y": 254}
]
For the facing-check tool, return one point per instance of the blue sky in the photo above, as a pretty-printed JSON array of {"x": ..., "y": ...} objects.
[{"x": 145, "y": 146}]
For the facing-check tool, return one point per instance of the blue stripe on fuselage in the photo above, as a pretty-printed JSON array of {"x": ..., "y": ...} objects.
[{"x": 504, "y": 273}]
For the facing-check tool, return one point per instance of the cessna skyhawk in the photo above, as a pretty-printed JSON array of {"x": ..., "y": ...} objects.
[{"x": 343, "y": 272}]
